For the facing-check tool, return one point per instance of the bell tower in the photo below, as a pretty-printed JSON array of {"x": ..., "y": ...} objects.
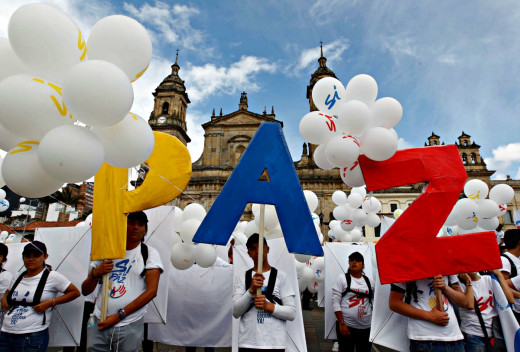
[{"x": 170, "y": 105}]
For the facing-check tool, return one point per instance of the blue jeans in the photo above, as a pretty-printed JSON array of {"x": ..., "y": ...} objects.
[
  {"x": 474, "y": 343},
  {"x": 436, "y": 346},
  {"x": 31, "y": 342}
]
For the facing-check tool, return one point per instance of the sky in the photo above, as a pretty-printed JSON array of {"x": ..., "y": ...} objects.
[{"x": 453, "y": 65}]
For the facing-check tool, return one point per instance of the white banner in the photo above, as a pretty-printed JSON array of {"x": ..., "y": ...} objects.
[
  {"x": 336, "y": 263},
  {"x": 281, "y": 259},
  {"x": 516, "y": 217}
]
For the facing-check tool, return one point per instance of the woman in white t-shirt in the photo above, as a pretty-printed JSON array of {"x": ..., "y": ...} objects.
[
  {"x": 480, "y": 289},
  {"x": 5, "y": 276},
  {"x": 28, "y": 301}
]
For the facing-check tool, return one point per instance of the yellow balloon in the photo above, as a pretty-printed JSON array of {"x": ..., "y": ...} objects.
[{"x": 168, "y": 175}]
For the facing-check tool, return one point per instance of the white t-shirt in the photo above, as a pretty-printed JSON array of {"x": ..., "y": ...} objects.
[
  {"x": 506, "y": 266},
  {"x": 483, "y": 292},
  {"x": 126, "y": 284},
  {"x": 22, "y": 320},
  {"x": 5, "y": 281},
  {"x": 500, "y": 236},
  {"x": 258, "y": 329},
  {"x": 423, "y": 330},
  {"x": 356, "y": 311}
]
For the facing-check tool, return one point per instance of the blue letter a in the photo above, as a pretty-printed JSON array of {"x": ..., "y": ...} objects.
[{"x": 266, "y": 151}]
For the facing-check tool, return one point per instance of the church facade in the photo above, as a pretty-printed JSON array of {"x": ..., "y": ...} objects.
[{"x": 226, "y": 137}]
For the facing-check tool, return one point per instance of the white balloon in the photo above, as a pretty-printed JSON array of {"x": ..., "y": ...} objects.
[
  {"x": 355, "y": 200},
  {"x": 240, "y": 238},
  {"x": 308, "y": 274},
  {"x": 182, "y": 256},
  {"x": 4, "y": 235},
  {"x": 362, "y": 87},
  {"x": 398, "y": 212},
  {"x": 317, "y": 127},
  {"x": 46, "y": 39},
  {"x": 373, "y": 220},
  {"x": 353, "y": 117},
  {"x": 339, "y": 198},
  {"x": 2, "y": 194},
  {"x": 501, "y": 193},
  {"x": 312, "y": 287},
  {"x": 205, "y": 255},
  {"x": 502, "y": 209},
  {"x": 270, "y": 217},
  {"x": 302, "y": 258},
  {"x": 327, "y": 94},
  {"x": 88, "y": 219},
  {"x": 8, "y": 139},
  {"x": 352, "y": 175},
  {"x": 342, "y": 150},
  {"x": 193, "y": 211},
  {"x": 251, "y": 228},
  {"x": 122, "y": 41},
  {"x": 356, "y": 235},
  {"x": 347, "y": 224},
  {"x": 4, "y": 205},
  {"x": 302, "y": 285},
  {"x": 342, "y": 212},
  {"x": 333, "y": 223},
  {"x": 11, "y": 64},
  {"x": 362, "y": 191},
  {"x": 321, "y": 159},
  {"x": 466, "y": 222},
  {"x": 128, "y": 143},
  {"x": 315, "y": 219},
  {"x": 271, "y": 234},
  {"x": 299, "y": 267},
  {"x": 30, "y": 107},
  {"x": 312, "y": 200},
  {"x": 177, "y": 219},
  {"x": 466, "y": 207},
  {"x": 176, "y": 238},
  {"x": 371, "y": 205},
  {"x": 487, "y": 209},
  {"x": 386, "y": 112},
  {"x": 476, "y": 189},
  {"x": 60, "y": 149},
  {"x": 360, "y": 217},
  {"x": 98, "y": 93},
  {"x": 345, "y": 237},
  {"x": 23, "y": 174},
  {"x": 488, "y": 224},
  {"x": 188, "y": 229},
  {"x": 379, "y": 143}
]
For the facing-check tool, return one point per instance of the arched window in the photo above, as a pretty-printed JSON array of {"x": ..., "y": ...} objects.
[
  {"x": 464, "y": 158},
  {"x": 239, "y": 150},
  {"x": 165, "y": 107},
  {"x": 473, "y": 158},
  {"x": 465, "y": 143},
  {"x": 434, "y": 142}
]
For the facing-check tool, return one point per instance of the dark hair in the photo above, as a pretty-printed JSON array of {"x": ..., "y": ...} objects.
[
  {"x": 253, "y": 239},
  {"x": 511, "y": 238},
  {"x": 356, "y": 256},
  {"x": 140, "y": 217},
  {"x": 3, "y": 251}
]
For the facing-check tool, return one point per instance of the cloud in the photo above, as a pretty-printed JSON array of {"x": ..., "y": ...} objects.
[
  {"x": 194, "y": 120},
  {"x": 168, "y": 24},
  {"x": 503, "y": 159},
  {"x": 332, "y": 51},
  {"x": 209, "y": 79},
  {"x": 402, "y": 144},
  {"x": 507, "y": 153}
]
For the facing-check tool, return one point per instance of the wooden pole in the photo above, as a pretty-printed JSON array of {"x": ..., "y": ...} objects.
[
  {"x": 261, "y": 245},
  {"x": 440, "y": 301},
  {"x": 104, "y": 297}
]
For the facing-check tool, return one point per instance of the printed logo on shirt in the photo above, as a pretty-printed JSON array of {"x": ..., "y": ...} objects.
[
  {"x": 432, "y": 301},
  {"x": 118, "y": 277},
  {"x": 261, "y": 315},
  {"x": 488, "y": 303},
  {"x": 20, "y": 311}
]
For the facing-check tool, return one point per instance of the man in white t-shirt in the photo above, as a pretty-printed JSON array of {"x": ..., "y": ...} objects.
[
  {"x": 352, "y": 304},
  {"x": 511, "y": 264},
  {"x": 429, "y": 328},
  {"x": 262, "y": 316},
  {"x": 133, "y": 282}
]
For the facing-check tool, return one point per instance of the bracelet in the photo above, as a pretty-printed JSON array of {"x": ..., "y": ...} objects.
[
  {"x": 468, "y": 285},
  {"x": 121, "y": 313},
  {"x": 53, "y": 303},
  {"x": 342, "y": 322}
]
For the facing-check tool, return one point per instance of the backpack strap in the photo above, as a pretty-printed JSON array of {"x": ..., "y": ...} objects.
[
  {"x": 411, "y": 292},
  {"x": 144, "y": 254},
  {"x": 15, "y": 285},
  {"x": 514, "y": 272},
  {"x": 349, "y": 280},
  {"x": 248, "y": 278},
  {"x": 481, "y": 321},
  {"x": 270, "y": 287},
  {"x": 369, "y": 295},
  {"x": 37, "y": 294},
  {"x": 370, "y": 291}
]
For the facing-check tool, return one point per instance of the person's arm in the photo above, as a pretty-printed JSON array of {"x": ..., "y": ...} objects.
[
  {"x": 286, "y": 311},
  {"x": 453, "y": 292},
  {"x": 70, "y": 294},
  {"x": 152, "y": 283},
  {"x": 242, "y": 296},
  {"x": 503, "y": 284},
  {"x": 89, "y": 284},
  {"x": 337, "y": 296},
  {"x": 5, "y": 305},
  {"x": 397, "y": 305},
  {"x": 470, "y": 298}
]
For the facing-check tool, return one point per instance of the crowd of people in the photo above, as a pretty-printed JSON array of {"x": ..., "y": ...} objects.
[{"x": 263, "y": 299}]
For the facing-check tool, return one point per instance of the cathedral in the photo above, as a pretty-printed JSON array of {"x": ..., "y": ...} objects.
[{"x": 227, "y": 136}]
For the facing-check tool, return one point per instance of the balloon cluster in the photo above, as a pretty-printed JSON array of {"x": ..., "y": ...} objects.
[
  {"x": 272, "y": 228},
  {"x": 185, "y": 252},
  {"x": 7, "y": 238},
  {"x": 476, "y": 213},
  {"x": 352, "y": 213},
  {"x": 4, "y": 203},
  {"x": 311, "y": 273},
  {"x": 65, "y": 103},
  {"x": 350, "y": 122}
]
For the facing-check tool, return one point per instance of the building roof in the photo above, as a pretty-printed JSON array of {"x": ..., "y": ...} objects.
[
  {"x": 6, "y": 228},
  {"x": 39, "y": 224}
]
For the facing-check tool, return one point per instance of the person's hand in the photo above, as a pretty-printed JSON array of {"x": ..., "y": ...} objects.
[
  {"x": 110, "y": 321},
  {"x": 43, "y": 306},
  {"x": 439, "y": 318},
  {"x": 343, "y": 330},
  {"x": 257, "y": 282},
  {"x": 465, "y": 277},
  {"x": 103, "y": 268},
  {"x": 263, "y": 304},
  {"x": 496, "y": 272},
  {"x": 438, "y": 282},
  {"x": 5, "y": 305}
]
